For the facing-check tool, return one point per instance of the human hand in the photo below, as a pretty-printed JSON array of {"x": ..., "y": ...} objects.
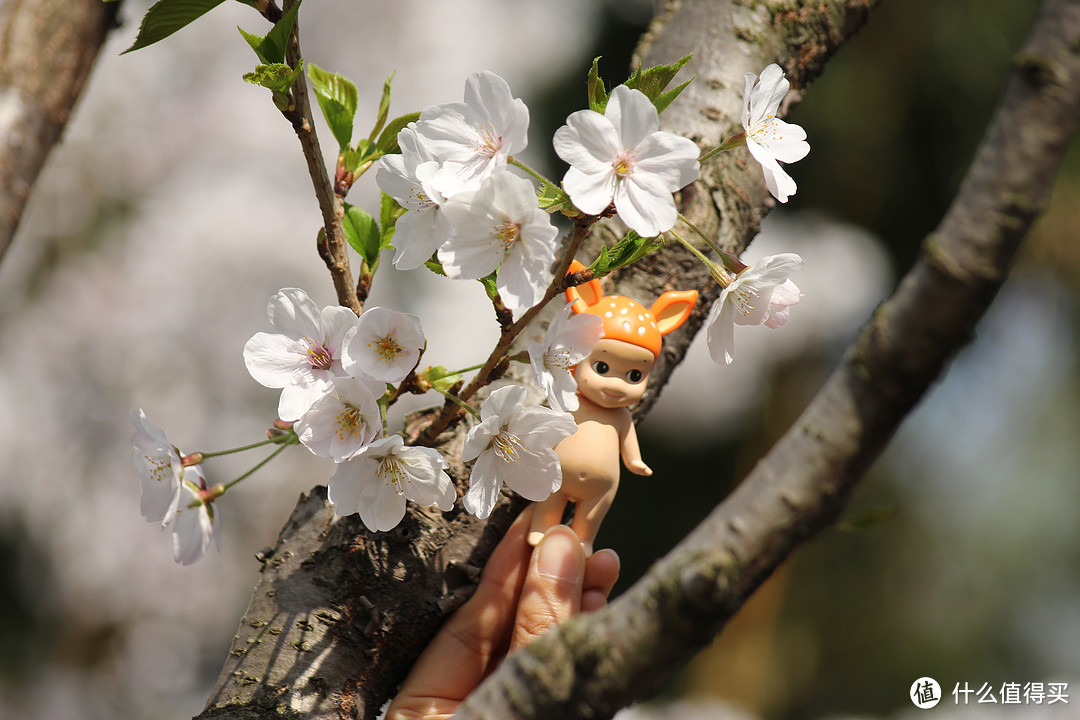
[{"x": 522, "y": 593}]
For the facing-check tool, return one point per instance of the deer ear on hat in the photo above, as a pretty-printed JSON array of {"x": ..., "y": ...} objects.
[
  {"x": 585, "y": 295},
  {"x": 672, "y": 309}
]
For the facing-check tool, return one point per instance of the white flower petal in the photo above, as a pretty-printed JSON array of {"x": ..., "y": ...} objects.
[
  {"x": 479, "y": 437},
  {"x": 591, "y": 193},
  {"x": 540, "y": 427},
  {"x": 503, "y": 402},
  {"x": 294, "y": 314},
  {"x": 588, "y": 141},
  {"x": 645, "y": 205},
  {"x": 720, "y": 337},
  {"x": 535, "y": 475},
  {"x": 633, "y": 115},
  {"x": 484, "y": 486},
  {"x": 417, "y": 236},
  {"x": 274, "y": 360}
]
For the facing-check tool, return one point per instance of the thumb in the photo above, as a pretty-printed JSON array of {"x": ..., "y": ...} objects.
[{"x": 553, "y": 585}]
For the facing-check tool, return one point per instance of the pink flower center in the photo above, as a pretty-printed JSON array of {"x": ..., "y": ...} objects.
[
  {"x": 490, "y": 141},
  {"x": 509, "y": 233},
  {"x": 350, "y": 420},
  {"x": 318, "y": 355},
  {"x": 623, "y": 164},
  {"x": 392, "y": 472}
]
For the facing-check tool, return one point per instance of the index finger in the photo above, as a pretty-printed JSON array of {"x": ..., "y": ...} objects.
[{"x": 462, "y": 652}]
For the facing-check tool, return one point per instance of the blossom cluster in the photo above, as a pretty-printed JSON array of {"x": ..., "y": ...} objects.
[{"x": 469, "y": 216}]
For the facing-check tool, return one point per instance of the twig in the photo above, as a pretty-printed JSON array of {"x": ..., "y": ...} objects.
[
  {"x": 332, "y": 245},
  {"x": 451, "y": 411}
]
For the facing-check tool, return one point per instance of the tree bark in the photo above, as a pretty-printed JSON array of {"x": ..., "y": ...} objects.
[
  {"x": 47, "y": 48},
  {"x": 594, "y": 664},
  {"x": 340, "y": 614}
]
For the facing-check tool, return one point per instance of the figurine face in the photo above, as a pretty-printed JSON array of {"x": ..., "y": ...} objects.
[{"x": 615, "y": 374}]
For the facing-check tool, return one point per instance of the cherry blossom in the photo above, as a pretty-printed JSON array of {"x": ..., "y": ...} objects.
[
  {"x": 344, "y": 420},
  {"x": 569, "y": 340},
  {"x": 769, "y": 139},
  {"x": 513, "y": 445},
  {"x": 384, "y": 345},
  {"x": 158, "y": 464},
  {"x": 305, "y": 352},
  {"x": 472, "y": 139},
  {"x": 501, "y": 226},
  {"x": 759, "y": 295},
  {"x": 409, "y": 179},
  {"x": 378, "y": 480},
  {"x": 197, "y": 522},
  {"x": 622, "y": 156}
]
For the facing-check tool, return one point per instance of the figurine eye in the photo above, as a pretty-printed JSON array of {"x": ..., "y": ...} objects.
[
  {"x": 600, "y": 367},
  {"x": 634, "y": 376}
]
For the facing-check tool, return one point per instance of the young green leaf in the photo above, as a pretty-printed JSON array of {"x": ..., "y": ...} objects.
[
  {"x": 271, "y": 47},
  {"x": 168, "y": 16},
  {"x": 278, "y": 78},
  {"x": 384, "y": 110},
  {"x": 388, "y": 144},
  {"x": 362, "y": 233},
  {"x": 598, "y": 94},
  {"x": 654, "y": 80},
  {"x": 338, "y": 100},
  {"x": 630, "y": 249}
]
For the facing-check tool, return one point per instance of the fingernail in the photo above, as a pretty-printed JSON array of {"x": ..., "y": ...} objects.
[{"x": 560, "y": 555}]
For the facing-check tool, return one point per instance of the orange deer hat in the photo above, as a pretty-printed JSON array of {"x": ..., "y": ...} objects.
[{"x": 629, "y": 321}]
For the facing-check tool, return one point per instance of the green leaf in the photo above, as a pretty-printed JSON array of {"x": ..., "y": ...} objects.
[
  {"x": 168, "y": 16},
  {"x": 598, "y": 94},
  {"x": 665, "y": 99},
  {"x": 338, "y": 100},
  {"x": 553, "y": 199},
  {"x": 629, "y": 250},
  {"x": 271, "y": 47},
  {"x": 435, "y": 267},
  {"x": 278, "y": 78},
  {"x": 489, "y": 286},
  {"x": 384, "y": 110},
  {"x": 388, "y": 144},
  {"x": 438, "y": 376},
  {"x": 654, "y": 80},
  {"x": 362, "y": 233}
]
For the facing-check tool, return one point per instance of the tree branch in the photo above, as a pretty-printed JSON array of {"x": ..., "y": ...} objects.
[
  {"x": 47, "y": 49},
  {"x": 326, "y": 572},
  {"x": 594, "y": 664},
  {"x": 332, "y": 246}
]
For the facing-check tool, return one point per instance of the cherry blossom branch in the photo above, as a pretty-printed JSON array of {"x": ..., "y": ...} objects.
[
  {"x": 489, "y": 370},
  {"x": 597, "y": 663},
  {"x": 38, "y": 90},
  {"x": 333, "y": 248}
]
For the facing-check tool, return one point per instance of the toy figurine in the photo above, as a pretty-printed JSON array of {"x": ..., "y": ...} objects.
[{"x": 611, "y": 379}]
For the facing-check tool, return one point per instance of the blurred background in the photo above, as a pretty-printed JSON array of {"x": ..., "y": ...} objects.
[{"x": 179, "y": 202}]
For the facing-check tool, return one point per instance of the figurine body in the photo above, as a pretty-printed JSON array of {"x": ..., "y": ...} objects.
[{"x": 610, "y": 380}]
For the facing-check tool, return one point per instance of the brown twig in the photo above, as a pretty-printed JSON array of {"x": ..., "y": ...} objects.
[
  {"x": 332, "y": 246},
  {"x": 451, "y": 411}
]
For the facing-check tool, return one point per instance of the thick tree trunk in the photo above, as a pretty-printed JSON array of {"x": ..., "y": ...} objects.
[
  {"x": 340, "y": 614},
  {"x": 596, "y": 663},
  {"x": 47, "y": 48}
]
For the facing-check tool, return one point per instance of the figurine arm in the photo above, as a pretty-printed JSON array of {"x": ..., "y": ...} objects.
[{"x": 631, "y": 453}]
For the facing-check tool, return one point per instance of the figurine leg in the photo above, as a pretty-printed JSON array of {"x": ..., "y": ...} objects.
[
  {"x": 588, "y": 514},
  {"x": 546, "y": 514}
]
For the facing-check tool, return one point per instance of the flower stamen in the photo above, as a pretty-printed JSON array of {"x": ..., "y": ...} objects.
[
  {"x": 624, "y": 163},
  {"x": 318, "y": 354},
  {"x": 390, "y": 469},
  {"x": 507, "y": 446},
  {"x": 508, "y": 233},
  {"x": 387, "y": 348},
  {"x": 349, "y": 422}
]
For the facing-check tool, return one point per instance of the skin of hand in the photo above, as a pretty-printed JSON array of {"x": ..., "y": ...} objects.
[{"x": 523, "y": 592}]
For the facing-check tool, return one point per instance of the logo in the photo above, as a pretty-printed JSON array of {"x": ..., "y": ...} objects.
[{"x": 925, "y": 693}]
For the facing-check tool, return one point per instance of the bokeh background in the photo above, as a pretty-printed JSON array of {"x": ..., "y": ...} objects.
[{"x": 179, "y": 202}]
